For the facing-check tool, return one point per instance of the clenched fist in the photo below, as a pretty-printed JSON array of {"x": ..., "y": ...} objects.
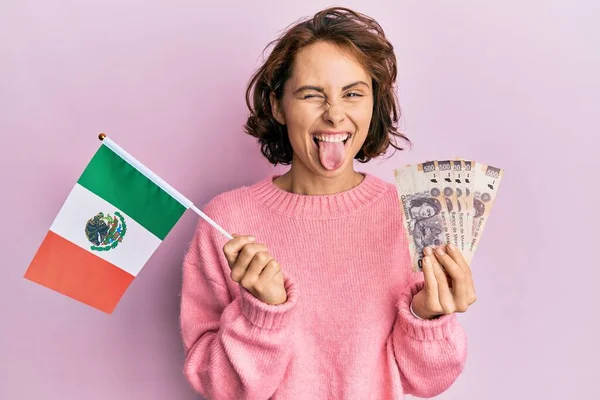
[{"x": 253, "y": 267}]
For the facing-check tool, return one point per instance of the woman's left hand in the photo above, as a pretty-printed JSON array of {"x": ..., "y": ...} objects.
[{"x": 448, "y": 283}]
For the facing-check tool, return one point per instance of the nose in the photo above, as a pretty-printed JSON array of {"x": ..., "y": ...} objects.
[{"x": 334, "y": 113}]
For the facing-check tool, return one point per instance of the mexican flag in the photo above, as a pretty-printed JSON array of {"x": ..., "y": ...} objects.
[{"x": 110, "y": 224}]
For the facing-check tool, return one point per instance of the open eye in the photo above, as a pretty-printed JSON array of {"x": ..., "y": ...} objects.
[{"x": 354, "y": 94}]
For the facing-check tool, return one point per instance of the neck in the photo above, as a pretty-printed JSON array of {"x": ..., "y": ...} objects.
[{"x": 300, "y": 180}]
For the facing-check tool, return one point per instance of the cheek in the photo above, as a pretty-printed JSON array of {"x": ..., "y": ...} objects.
[
  {"x": 299, "y": 120},
  {"x": 363, "y": 115}
]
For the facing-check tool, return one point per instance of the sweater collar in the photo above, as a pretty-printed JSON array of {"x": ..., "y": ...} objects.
[{"x": 318, "y": 206}]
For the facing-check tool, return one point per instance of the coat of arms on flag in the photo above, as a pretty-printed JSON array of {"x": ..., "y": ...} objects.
[
  {"x": 105, "y": 232},
  {"x": 114, "y": 218}
]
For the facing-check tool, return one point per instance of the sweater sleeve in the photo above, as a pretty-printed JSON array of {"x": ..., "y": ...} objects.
[
  {"x": 430, "y": 354},
  {"x": 236, "y": 347}
]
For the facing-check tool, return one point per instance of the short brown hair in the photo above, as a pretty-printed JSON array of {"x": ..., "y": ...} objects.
[{"x": 356, "y": 33}]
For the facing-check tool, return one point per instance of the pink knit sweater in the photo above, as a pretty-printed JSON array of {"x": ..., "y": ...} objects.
[{"x": 346, "y": 330}]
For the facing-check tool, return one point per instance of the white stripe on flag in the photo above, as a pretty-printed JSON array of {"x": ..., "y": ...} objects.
[{"x": 81, "y": 205}]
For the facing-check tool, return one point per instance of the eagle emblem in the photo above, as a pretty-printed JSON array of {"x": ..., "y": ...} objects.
[{"x": 105, "y": 231}]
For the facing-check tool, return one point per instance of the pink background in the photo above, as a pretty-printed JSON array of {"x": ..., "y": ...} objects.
[{"x": 511, "y": 83}]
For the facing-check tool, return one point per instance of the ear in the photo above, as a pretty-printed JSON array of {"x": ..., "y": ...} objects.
[{"x": 277, "y": 109}]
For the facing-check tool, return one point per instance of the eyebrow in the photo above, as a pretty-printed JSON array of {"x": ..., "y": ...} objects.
[{"x": 321, "y": 90}]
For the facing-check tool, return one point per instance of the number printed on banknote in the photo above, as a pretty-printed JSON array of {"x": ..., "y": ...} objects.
[
  {"x": 449, "y": 191},
  {"x": 485, "y": 189}
]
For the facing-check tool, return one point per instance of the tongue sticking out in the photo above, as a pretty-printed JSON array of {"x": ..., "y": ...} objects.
[{"x": 331, "y": 154}]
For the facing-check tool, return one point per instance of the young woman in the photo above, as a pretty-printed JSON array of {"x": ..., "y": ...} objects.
[{"x": 316, "y": 298}]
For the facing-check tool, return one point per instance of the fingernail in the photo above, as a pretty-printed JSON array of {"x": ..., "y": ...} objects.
[
  {"x": 439, "y": 251},
  {"x": 451, "y": 247},
  {"x": 428, "y": 251},
  {"x": 251, "y": 238}
]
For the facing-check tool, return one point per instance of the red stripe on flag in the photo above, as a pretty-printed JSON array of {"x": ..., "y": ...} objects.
[{"x": 66, "y": 268}]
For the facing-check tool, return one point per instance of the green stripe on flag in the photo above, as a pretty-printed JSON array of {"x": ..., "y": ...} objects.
[{"x": 116, "y": 181}]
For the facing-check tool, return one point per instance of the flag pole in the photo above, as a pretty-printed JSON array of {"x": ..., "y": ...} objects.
[
  {"x": 158, "y": 181},
  {"x": 210, "y": 221}
]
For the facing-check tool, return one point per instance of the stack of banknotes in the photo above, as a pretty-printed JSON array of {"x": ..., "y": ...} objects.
[{"x": 444, "y": 202}]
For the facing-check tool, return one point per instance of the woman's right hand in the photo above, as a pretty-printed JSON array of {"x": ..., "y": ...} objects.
[{"x": 253, "y": 267}]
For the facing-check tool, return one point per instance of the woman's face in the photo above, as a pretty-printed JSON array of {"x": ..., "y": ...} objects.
[
  {"x": 327, "y": 106},
  {"x": 426, "y": 211}
]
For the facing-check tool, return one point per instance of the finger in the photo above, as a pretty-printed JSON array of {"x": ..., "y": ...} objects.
[
  {"x": 431, "y": 252},
  {"x": 432, "y": 296},
  {"x": 270, "y": 283},
  {"x": 248, "y": 252},
  {"x": 457, "y": 281},
  {"x": 256, "y": 266},
  {"x": 455, "y": 272},
  {"x": 232, "y": 248},
  {"x": 245, "y": 256},
  {"x": 458, "y": 257},
  {"x": 444, "y": 294},
  {"x": 272, "y": 269},
  {"x": 468, "y": 292},
  {"x": 430, "y": 280},
  {"x": 462, "y": 282}
]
